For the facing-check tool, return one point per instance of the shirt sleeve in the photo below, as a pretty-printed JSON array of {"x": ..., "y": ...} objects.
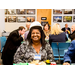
[
  {"x": 19, "y": 55},
  {"x": 70, "y": 53},
  {"x": 49, "y": 53}
]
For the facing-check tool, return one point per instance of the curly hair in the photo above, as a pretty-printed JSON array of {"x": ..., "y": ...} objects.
[{"x": 43, "y": 42}]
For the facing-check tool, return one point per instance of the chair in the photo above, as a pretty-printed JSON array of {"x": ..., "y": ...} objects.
[
  {"x": 3, "y": 41},
  {"x": 54, "y": 46},
  {"x": 63, "y": 47}
]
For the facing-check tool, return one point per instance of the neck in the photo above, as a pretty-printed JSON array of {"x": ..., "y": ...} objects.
[{"x": 36, "y": 43}]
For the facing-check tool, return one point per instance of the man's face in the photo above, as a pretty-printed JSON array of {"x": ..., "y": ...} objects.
[
  {"x": 73, "y": 28},
  {"x": 28, "y": 25},
  {"x": 66, "y": 26},
  {"x": 22, "y": 31}
]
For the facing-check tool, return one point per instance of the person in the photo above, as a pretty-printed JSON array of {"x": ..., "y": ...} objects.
[
  {"x": 35, "y": 48},
  {"x": 13, "y": 42},
  {"x": 66, "y": 29},
  {"x": 69, "y": 56},
  {"x": 57, "y": 35},
  {"x": 47, "y": 30},
  {"x": 27, "y": 31},
  {"x": 72, "y": 36}
]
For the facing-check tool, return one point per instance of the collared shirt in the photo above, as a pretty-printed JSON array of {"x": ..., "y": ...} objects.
[{"x": 25, "y": 53}]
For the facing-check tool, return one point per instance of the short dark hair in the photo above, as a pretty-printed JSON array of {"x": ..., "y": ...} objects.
[
  {"x": 45, "y": 25},
  {"x": 43, "y": 42},
  {"x": 21, "y": 28}
]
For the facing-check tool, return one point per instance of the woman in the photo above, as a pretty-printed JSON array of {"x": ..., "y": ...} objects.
[
  {"x": 35, "y": 48},
  {"x": 47, "y": 30},
  {"x": 57, "y": 35}
]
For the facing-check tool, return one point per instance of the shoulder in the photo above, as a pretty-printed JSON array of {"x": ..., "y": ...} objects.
[{"x": 73, "y": 42}]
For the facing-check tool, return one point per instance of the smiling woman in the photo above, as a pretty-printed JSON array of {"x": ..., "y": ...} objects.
[{"x": 35, "y": 48}]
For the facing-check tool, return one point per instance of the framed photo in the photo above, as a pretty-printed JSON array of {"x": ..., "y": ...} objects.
[
  {"x": 57, "y": 18},
  {"x": 21, "y": 11},
  {"x": 67, "y": 18},
  {"x": 57, "y": 11},
  {"x": 5, "y": 11},
  {"x": 11, "y": 18},
  {"x": 74, "y": 11},
  {"x": 12, "y": 11},
  {"x": 21, "y": 19},
  {"x": 30, "y": 19},
  {"x": 5, "y": 18},
  {"x": 67, "y": 11},
  {"x": 30, "y": 11},
  {"x": 73, "y": 18}
]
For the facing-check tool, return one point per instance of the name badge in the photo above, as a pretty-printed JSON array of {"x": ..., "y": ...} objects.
[{"x": 37, "y": 57}]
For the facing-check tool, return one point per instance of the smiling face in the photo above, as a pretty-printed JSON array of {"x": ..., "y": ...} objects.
[
  {"x": 35, "y": 35},
  {"x": 46, "y": 27}
]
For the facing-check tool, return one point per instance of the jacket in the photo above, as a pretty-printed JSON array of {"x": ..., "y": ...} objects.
[
  {"x": 12, "y": 43},
  {"x": 70, "y": 54},
  {"x": 72, "y": 36},
  {"x": 57, "y": 38}
]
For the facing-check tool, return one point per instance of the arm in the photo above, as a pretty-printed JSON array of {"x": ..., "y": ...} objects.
[
  {"x": 49, "y": 53},
  {"x": 17, "y": 40},
  {"x": 19, "y": 55},
  {"x": 70, "y": 53}
]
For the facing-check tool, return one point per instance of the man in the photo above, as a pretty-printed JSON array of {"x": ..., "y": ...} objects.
[
  {"x": 13, "y": 42},
  {"x": 27, "y": 31},
  {"x": 69, "y": 56},
  {"x": 66, "y": 29}
]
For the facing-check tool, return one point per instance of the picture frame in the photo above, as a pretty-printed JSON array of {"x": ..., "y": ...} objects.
[
  {"x": 74, "y": 11},
  {"x": 5, "y": 18},
  {"x": 6, "y": 11},
  {"x": 67, "y": 18},
  {"x": 11, "y": 11},
  {"x": 73, "y": 18},
  {"x": 21, "y": 11},
  {"x": 21, "y": 18},
  {"x": 31, "y": 11},
  {"x": 30, "y": 18},
  {"x": 67, "y": 11},
  {"x": 57, "y": 11},
  {"x": 57, "y": 18},
  {"x": 11, "y": 18}
]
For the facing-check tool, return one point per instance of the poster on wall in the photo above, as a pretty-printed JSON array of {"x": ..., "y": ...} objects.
[
  {"x": 30, "y": 19},
  {"x": 30, "y": 11},
  {"x": 5, "y": 11},
  {"x": 67, "y": 18},
  {"x": 12, "y": 11},
  {"x": 73, "y": 18},
  {"x": 57, "y": 18},
  {"x": 11, "y": 18},
  {"x": 57, "y": 11},
  {"x": 21, "y": 11},
  {"x": 67, "y": 11},
  {"x": 21, "y": 19},
  {"x": 5, "y": 18}
]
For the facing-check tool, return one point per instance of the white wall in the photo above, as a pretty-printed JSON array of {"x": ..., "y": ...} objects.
[
  {"x": 62, "y": 24},
  {"x": 2, "y": 21}
]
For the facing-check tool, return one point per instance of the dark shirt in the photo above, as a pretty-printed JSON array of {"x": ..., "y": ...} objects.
[
  {"x": 72, "y": 36},
  {"x": 64, "y": 29},
  {"x": 58, "y": 38}
]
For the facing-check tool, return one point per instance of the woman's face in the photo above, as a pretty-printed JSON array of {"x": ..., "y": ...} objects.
[
  {"x": 46, "y": 27},
  {"x": 35, "y": 35}
]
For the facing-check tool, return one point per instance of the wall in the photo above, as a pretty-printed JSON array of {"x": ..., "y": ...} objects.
[
  {"x": 2, "y": 21},
  {"x": 44, "y": 13},
  {"x": 62, "y": 24}
]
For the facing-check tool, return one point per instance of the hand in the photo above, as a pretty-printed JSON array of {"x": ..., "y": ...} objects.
[{"x": 66, "y": 63}]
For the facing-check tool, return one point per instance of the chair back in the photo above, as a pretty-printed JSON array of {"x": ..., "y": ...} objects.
[
  {"x": 63, "y": 47},
  {"x": 3, "y": 41},
  {"x": 54, "y": 46}
]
